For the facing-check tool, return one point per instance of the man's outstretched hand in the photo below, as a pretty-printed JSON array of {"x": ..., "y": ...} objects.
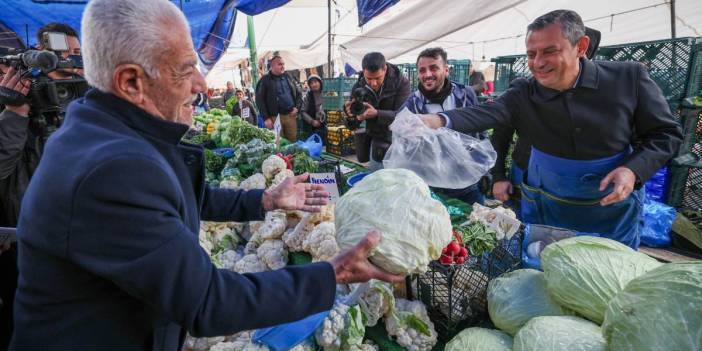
[
  {"x": 294, "y": 194},
  {"x": 353, "y": 266}
]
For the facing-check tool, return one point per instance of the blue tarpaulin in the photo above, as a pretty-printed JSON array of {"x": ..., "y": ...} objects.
[
  {"x": 211, "y": 21},
  {"x": 367, "y": 9}
]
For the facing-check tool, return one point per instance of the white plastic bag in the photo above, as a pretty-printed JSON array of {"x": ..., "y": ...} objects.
[{"x": 442, "y": 157}]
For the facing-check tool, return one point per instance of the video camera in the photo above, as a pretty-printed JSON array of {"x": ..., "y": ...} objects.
[
  {"x": 47, "y": 97},
  {"x": 358, "y": 97}
]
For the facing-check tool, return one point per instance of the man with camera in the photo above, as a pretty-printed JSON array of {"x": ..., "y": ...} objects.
[
  {"x": 436, "y": 93},
  {"x": 26, "y": 121},
  {"x": 376, "y": 97}
]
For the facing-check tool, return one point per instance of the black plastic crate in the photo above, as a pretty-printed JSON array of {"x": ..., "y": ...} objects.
[{"x": 456, "y": 295}]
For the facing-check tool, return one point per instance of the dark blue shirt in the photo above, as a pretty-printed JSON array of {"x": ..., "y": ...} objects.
[{"x": 285, "y": 97}]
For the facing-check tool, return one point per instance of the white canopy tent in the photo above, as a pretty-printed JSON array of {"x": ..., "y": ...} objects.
[{"x": 473, "y": 29}]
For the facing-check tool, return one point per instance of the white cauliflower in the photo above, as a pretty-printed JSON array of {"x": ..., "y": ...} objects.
[
  {"x": 272, "y": 165},
  {"x": 256, "y": 181},
  {"x": 325, "y": 215},
  {"x": 295, "y": 237},
  {"x": 281, "y": 176},
  {"x": 342, "y": 329},
  {"x": 229, "y": 183},
  {"x": 240, "y": 342},
  {"x": 273, "y": 226},
  {"x": 250, "y": 228},
  {"x": 307, "y": 345},
  {"x": 321, "y": 242},
  {"x": 202, "y": 344},
  {"x": 273, "y": 254},
  {"x": 376, "y": 302},
  {"x": 226, "y": 259},
  {"x": 249, "y": 264},
  {"x": 409, "y": 323}
]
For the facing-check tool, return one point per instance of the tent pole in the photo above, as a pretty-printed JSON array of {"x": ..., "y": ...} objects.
[
  {"x": 252, "y": 51},
  {"x": 329, "y": 43},
  {"x": 672, "y": 19}
]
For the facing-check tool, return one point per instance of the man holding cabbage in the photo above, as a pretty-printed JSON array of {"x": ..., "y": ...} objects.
[{"x": 584, "y": 173}]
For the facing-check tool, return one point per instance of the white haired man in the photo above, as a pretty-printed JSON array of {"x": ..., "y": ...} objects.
[{"x": 108, "y": 251}]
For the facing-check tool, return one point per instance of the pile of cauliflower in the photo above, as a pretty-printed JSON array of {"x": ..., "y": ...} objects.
[{"x": 265, "y": 245}]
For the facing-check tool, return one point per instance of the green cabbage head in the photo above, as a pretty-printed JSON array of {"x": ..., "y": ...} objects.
[
  {"x": 480, "y": 339},
  {"x": 660, "y": 310},
  {"x": 396, "y": 202},
  {"x": 516, "y": 297},
  {"x": 584, "y": 273},
  {"x": 559, "y": 333}
]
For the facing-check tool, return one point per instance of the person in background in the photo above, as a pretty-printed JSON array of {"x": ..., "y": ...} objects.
[
  {"x": 229, "y": 93},
  {"x": 312, "y": 112},
  {"x": 585, "y": 173},
  {"x": 477, "y": 81},
  {"x": 244, "y": 108},
  {"x": 277, "y": 94},
  {"x": 390, "y": 89},
  {"x": 436, "y": 93}
]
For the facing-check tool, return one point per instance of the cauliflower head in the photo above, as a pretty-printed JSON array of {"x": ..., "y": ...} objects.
[
  {"x": 272, "y": 166},
  {"x": 273, "y": 254},
  {"x": 321, "y": 242},
  {"x": 281, "y": 176},
  {"x": 256, "y": 181},
  {"x": 376, "y": 302},
  {"x": 410, "y": 325},
  {"x": 273, "y": 226},
  {"x": 249, "y": 264}
]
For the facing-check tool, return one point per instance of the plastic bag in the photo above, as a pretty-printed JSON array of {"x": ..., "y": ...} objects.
[
  {"x": 442, "y": 157},
  {"x": 658, "y": 220}
]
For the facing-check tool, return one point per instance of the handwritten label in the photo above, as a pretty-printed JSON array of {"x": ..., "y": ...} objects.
[{"x": 328, "y": 180}]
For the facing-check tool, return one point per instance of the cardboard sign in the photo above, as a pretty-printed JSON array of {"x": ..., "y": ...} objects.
[
  {"x": 245, "y": 114},
  {"x": 328, "y": 180},
  {"x": 277, "y": 127}
]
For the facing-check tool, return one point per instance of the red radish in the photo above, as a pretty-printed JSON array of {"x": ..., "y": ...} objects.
[
  {"x": 445, "y": 259},
  {"x": 453, "y": 248},
  {"x": 444, "y": 251},
  {"x": 464, "y": 252},
  {"x": 459, "y": 260}
]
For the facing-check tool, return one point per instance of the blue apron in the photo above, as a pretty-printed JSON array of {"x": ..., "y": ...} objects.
[
  {"x": 565, "y": 193},
  {"x": 516, "y": 176}
]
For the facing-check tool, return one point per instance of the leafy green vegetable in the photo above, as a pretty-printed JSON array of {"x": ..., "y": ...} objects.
[
  {"x": 304, "y": 163},
  {"x": 415, "y": 322},
  {"x": 213, "y": 162},
  {"x": 478, "y": 237},
  {"x": 356, "y": 329}
]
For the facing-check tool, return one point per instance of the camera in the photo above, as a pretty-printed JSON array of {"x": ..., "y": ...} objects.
[
  {"x": 47, "y": 97},
  {"x": 358, "y": 97}
]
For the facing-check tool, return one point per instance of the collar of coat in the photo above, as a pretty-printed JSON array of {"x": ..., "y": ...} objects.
[
  {"x": 587, "y": 79},
  {"x": 136, "y": 118}
]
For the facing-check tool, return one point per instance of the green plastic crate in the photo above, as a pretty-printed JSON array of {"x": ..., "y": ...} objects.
[
  {"x": 333, "y": 103},
  {"x": 339, "y": 84},
  {"x": 459, "y": 71}
]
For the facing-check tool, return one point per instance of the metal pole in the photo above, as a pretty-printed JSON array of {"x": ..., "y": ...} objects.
[
  {"x": 253, "y": 58},
  {"x": 329, "y": 43},
  {"x": 181, "y": 5},
  {"x": 672, "y": 19}
]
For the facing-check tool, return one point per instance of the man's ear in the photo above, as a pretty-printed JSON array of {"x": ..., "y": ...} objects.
[
  {"x": 582, "y": 46},
  {"x": 128, "y": 82}
]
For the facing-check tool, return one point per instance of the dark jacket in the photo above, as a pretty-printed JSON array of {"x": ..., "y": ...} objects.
[
  {"x": 108, "y": 242},
  {"x": 236, "y": 111},
  {"x": 394, "y": 93},
  {"x": 613, "y": 104},
  {"x": 20, "y": 150},
  {"x": 267, "y": 97},
  {"x": 502, "y": 139}
]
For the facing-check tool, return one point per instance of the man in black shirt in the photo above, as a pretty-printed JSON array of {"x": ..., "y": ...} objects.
[{"x": 581, "y": 117}]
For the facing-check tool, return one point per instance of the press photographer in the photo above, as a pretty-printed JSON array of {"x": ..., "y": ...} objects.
[
  {"x": 375, "y": 98},
  {"x": 35, "y": 88}
]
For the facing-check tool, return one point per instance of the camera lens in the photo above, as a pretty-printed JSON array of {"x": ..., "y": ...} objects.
[
  {"x": 64, "y": 93},
  {"x": 357, "y": 108}
]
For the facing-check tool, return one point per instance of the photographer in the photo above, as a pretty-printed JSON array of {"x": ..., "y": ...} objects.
[{"x": 382, "y": 89}]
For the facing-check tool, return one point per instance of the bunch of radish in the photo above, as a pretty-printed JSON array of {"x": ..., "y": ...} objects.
[{"x": 454, "y": 252}]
